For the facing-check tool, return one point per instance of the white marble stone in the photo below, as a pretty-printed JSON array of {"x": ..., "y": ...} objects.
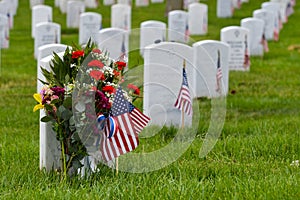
[
  {"x": 46, "y": 33},
  {"x": 198, "y": 18},
  {"x": 40, "y": 13},
  {"x": 139, "y": 3},
  {"x": 89, "y": 26},
  {"x": 115, "y": 41},
  {"x": 256, "y": 30},
  {"x": 268, "y": 17},
  {"x": 74, "y": 10},
  {"x": 4, "y": 32},
  {"x": 163, "y": 65},
  {"x": 210, "y": 56},
  {"x": 239, "y": 54},
  {"x": 151, "y": 32},
  {"x": 178, "y": 30},
  {"x": 121, "y": 16},
  {"x": 224, "y": 8}
]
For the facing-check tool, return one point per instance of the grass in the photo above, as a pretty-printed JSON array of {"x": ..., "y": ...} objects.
[{"x": 251, "y": 160}]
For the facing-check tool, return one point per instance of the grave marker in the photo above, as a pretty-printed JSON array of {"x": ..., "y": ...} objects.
[
  {"x": 89, "y": 26},
  {"x": 238, "y": 40}
]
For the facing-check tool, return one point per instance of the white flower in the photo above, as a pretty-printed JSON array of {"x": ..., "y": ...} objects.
[{"x": 295, "y": 163}]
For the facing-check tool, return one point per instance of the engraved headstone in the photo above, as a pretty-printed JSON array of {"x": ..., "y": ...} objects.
[
  {"x": 89, "y": 26},
  {"x": 238, "y": 39}
]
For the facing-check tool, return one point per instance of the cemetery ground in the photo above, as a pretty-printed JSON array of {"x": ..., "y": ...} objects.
[{"x": 251, "y": 159}]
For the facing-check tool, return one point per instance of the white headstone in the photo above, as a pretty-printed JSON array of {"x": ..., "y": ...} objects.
[
  {"x": 4, "y": 32},
  {"x": 46, "y": 33},
  {"x": 274, "y": 7},
  {"x": 127, "y": 2},
  {"x": 6, "y": 8},
  {"x": 238, "y": 40},
  {"x": 115, "y": 41},
  {"x": 74, "y": 9},
  {"x": 13, "y": 5},
  {"x": 198, "y": 18},
  {"x": 50, "y": 154},
  {"x": 139, "y": 3},
  {"x": 36, "y": 2},
  {"x": 108, "y": 2},
  {"x": 237, "y": 4},
  {"x": 283, "y": 4},
  {"x": 186, "y": 3},
  {"x": 151, "y": 32},
  {"x": 91, "y": 3},
  {"x": 224, "y": 8},
  {"x": 157, "y": 1},
  {"x": 40, "y": 13},
  {"x": 56, "y": 3},
  {"x": 178, "y": 30},
  {"x": 121, "y": 16},
  {"x": 45, "y": 51},
  {"x": 256, "y": 30},
  {"x": 163, "y": 66},
  {"x": 89, "y": 26},
  {"x": 211, "y": 59},
  {"x": 268, "y": 17},
  {"x": 63, "y": 6}
]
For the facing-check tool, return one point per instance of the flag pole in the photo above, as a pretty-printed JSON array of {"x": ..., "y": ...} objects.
[
  {"x": 117, "y": 166},
  {"x": 182, "y": 110}
]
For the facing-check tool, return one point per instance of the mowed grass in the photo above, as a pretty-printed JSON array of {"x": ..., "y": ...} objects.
[{"x": 251, "y": 159}]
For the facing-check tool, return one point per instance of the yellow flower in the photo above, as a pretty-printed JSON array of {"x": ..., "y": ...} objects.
[{"x": 38, "y": 98}]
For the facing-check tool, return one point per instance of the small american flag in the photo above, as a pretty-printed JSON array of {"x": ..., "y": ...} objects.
[
  {"x": 246, "y": 55},
  {"x": 276, "y": 34},
  {"x": 264, "y": 42},
  {"x": 138, "y": 118},
  {"x": 123, "y": 51},
  {"x": 184, "y": 101},
  {"x": 219, "y": 74},
  {"x": 125, "y": 139},
  {"x": 186, "y": 33}
]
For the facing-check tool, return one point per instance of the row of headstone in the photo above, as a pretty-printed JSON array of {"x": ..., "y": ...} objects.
[
  {"x": 8, "y": 9},
  {"x": 207, "y": 73},
  {"x": 225, "y": 8},
  {"x": 181, "y": 23}
]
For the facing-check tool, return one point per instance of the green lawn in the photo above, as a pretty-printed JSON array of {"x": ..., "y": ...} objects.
[{"x": 251, "y": 159}]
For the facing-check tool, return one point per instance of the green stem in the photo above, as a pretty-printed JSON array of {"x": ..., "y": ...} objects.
[{"x": 63, "y": 155}]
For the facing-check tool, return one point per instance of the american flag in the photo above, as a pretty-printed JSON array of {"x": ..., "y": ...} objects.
[
  {"x": 186, "y": 33},
  {"x": 138, "y": 118},
  {"x": 125, "y": 139},
  {"x": 123, "y": 51},
  {"x": 264, "y": 42},
  {"x": 184, "y": 101},
  {"x": 219, "y": 74},
  {"x": 246, "y": 55}
]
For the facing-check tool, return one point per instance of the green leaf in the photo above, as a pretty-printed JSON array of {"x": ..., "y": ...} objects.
[{"x": 46, "y": 119}]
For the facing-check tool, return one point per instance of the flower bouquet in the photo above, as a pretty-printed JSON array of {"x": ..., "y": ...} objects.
[{"x": 89, "y": 111}]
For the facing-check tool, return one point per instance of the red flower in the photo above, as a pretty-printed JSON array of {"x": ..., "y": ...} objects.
[
  {"x": 135, "y": 89},
  {"x": 116, "y": 73},
  {"x": 121, "y": 65},
  {"x": 109, "y": 89},
  {"x": 96, "y": 63},
  {"x": 97, "y": 74},
  {"x": 77, "y": 54},
  {"x": 97, "y": 51}
]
